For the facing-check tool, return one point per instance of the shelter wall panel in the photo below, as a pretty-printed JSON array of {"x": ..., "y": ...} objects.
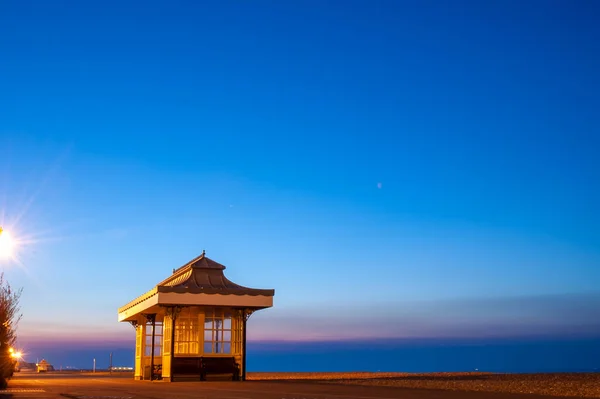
[
  {"x": 139, "y": 349},
  {"x": 166, "y": 358}
]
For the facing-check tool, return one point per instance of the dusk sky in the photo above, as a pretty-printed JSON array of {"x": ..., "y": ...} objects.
[{"x": 391, "y": 168}]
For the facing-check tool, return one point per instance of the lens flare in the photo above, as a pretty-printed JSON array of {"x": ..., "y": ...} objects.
[{"x": 7, "y": 244}]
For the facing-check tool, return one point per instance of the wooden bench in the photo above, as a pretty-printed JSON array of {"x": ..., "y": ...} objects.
[
  {"x": 219, "y": 365},
  {"x": 185, "y": 368}
]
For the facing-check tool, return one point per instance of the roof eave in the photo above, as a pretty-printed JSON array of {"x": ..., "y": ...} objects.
[
  {"x": 138, "y": 300},
  {"x": 210, "y": 291}
]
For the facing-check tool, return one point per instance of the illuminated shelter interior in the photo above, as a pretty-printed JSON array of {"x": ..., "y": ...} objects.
[{"x": 193, "y": 323}]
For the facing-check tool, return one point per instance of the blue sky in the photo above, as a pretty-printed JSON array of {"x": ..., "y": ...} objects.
[{"x": 432, "y": 165}]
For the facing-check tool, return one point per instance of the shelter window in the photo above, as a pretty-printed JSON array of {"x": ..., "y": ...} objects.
[
  {"x": 187, "y": 336},
  {"x": 158, "y": 337},
  {"x": 217, "y": 331}
]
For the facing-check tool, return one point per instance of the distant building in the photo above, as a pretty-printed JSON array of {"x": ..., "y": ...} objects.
[
  {"x": 193, "y": 324},
  {"x": 44, "y": 366}
]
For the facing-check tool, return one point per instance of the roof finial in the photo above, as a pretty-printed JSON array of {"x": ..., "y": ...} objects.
[{"x": 203, "y": 252}]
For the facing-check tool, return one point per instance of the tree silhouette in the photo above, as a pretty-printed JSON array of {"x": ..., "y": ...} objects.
[{"x": 9, "y": 318}]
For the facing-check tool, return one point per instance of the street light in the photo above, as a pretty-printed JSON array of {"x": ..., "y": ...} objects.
[
  {"x": 17, "y": 357},
  {"x": 15, "y": 354}
]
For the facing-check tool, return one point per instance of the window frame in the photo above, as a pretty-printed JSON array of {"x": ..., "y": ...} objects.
[
  {"x": 147, "y": 339},
  {"x": 218, "y": 332}
]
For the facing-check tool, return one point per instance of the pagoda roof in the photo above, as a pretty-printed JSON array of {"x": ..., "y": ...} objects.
[
  {"x": 204, "y": 275},
  {"x": 198, "y": 280}
]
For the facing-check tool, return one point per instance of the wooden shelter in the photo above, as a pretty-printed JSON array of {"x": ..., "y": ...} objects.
[{"x": 193, "y": 324}]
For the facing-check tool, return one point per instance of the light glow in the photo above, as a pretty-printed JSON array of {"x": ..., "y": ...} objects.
[
  {"x": 7, "y": 244},
  {"x": 17, "y": 355}
]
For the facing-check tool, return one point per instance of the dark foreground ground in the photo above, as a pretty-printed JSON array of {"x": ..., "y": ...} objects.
[{"x": 263, "y": 386}]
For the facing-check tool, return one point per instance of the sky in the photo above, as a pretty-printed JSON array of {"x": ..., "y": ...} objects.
[{"x": 393, "y": 169}]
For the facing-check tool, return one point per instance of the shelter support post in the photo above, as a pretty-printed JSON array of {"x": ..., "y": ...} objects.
[{"x": 246, "y": 313}]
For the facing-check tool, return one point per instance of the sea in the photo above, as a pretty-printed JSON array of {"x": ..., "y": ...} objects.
[
  {"x": 422, "y": 356},
  {"x": 393, "y": 355}
]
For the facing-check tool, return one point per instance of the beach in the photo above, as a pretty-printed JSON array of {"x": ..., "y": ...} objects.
[{"x": 552, "y": 384}]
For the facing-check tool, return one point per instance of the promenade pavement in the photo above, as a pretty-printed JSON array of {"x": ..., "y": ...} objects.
[{"x": 103, "y": 386}]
